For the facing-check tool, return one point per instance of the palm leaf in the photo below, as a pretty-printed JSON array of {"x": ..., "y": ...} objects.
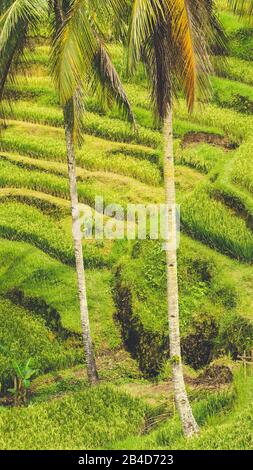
[
  {"x": 15, "y": 20},
  {"x": 143, "y": 19},
  {"x": 107, "y": 84},
  {"x": 27, "y": 11},
  {"x": 183, "y": 32},
  {"x": 79, "y": 57},
  {"x": 176, "y": 47},
  {"x": 73, "y": 51}
]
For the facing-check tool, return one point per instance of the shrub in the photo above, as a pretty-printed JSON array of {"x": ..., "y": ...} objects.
[{"x": 242, "y": 104}]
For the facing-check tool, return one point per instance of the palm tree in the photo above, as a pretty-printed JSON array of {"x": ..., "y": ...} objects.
[
  {"x": 78, "y": 57},
  {"x": 174, "y": 39}
]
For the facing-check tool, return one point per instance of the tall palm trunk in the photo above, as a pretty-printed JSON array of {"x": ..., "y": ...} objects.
[
  {"x": 69, "y": 132},
  {"x": 69, "y": 117},
  {"x": 189, "y": 424}
]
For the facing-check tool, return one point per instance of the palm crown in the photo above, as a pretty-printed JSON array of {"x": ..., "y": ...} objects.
[
  {"x": 174, "y": 38},
  {"x": 79, "y": 56}
]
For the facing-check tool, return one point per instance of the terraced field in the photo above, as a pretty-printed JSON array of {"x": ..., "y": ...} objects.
[{"x": 126, "y": 281}]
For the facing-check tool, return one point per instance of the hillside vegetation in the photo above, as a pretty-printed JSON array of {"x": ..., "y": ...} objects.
[{"x": 126, "y": 281}]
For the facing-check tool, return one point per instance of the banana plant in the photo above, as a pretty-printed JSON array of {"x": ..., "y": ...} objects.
[
  {"x": 22, "y": 376},
  {"x": 22, "y": 380}
]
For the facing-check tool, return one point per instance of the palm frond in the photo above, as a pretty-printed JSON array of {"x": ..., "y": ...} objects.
[
  {"x": 16, "y": 17},
  {"x": 143, "y": 19},
  {"x": 215, "y": 38},
  {"x": 109, "y": 16},
  {"x": 80, "y": 57},
  {"x": 158, "y": 55},
  {"x": 26, "y": 11},
  {"x": 12, "y": 56},
  {"x": 107, "y": 84},
  {"x": 177, "y": 48},
  {"x": 209, "y": 40},
  {"x": 114, "y": 7},
  {"x": 218, "y": 38},
  {"x": 73, "y": 51},
  {"x": 184, "y": 31}
]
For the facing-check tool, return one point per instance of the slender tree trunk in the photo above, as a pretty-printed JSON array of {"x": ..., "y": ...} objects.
[
  {"x": 89, "y": 353},
  {"x": 69, "y": 132},
  {"x": 189, "y": 424}
]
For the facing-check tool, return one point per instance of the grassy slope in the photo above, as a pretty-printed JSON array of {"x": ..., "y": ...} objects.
[
  {"x": 221, "y": 415},
  {"x": 37, "y": 256},
  {"x": 83, "y": 420},
  {"x": 39, "y": 276}
]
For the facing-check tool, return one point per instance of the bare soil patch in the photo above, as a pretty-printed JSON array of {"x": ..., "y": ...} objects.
[{"x": 195, "y": 138}]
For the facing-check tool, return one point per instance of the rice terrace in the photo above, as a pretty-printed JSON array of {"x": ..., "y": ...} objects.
[{"x": 119, "y": 340}]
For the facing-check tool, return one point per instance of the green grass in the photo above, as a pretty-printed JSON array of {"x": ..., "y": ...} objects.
[
  {"x": 241, "y": 43},
  {"x": 205, "y": 297},
  {"x": 51, "y": 179},
  {"x": 38, "y": 288},
  {"x": 242, "y": 170},
  {"x": 26, "y": 336},
  {"x": 233, "y": 186},
  {"x": 39, "y": 55},
  {"x": 29, "y": 88},
  {"x": 232, "y": 94},
  {"x": 239, "y": 70},
  {"x": 110, "y": 128},
  {"x": 236, "y": 126},
  {"x": 221, "y": 415},
  {"x": 94, "y": 124},
  {"x": 21, "y": 222},
  {"x": 234, "y": 198},
  {"x": 202, "y": 157},
  {"x": 48, "y": 143},
  {"x": 222, "y": 434},
  {"x": 51, "y": 205},
  {"x": 41, "y": 278},
  {"x": 231, "y": 23},
  {"x": 93, "y": 418},
  {"x": 212, "y": 223}
]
